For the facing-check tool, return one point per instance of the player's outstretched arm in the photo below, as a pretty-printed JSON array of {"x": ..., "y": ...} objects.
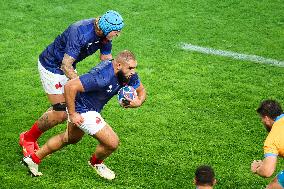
[
  {"x": 266, "y": 167},
  {"x": 71, "y": 88}
]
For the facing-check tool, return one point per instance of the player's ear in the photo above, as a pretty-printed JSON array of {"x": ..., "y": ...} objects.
[
  {"x": 268, "y": 120},
  {"x": 118, "y": 65},
  {"x": 214, "y": 182},
  {"x": 194, "y": 181}
]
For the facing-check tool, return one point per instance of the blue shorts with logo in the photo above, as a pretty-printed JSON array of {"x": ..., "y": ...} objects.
[{"x": 280, "y": 178}]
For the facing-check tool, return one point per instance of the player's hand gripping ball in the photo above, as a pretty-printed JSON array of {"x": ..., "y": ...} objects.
[{"x": 126, "y": 91}]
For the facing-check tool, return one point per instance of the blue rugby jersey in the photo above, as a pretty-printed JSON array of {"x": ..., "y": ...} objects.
[
  {"x": 100, "y": 85},
  {"x": 79, "y": 40}
]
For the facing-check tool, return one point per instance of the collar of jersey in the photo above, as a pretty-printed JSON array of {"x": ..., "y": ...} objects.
[{"x": 279, "y": 117}]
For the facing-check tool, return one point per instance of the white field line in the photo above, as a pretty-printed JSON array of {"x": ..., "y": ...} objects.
[{"x": 253, "y": 58}]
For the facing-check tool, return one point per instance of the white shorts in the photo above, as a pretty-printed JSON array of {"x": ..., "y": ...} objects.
[
  {"x": 93, "y": 122},
  {"x": 52, "y": 83}
]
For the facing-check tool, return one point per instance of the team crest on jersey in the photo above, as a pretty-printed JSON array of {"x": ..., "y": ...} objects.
[
  {"x": 89, "y": 44},
  {"x": 98, "y": 120},
  {"x": 58, "y": 85},
  {"x": 110, "y": 89}
]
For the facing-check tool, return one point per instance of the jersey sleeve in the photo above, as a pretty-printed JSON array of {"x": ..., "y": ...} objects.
[
  {"x": 106, "y": 48},
  {"x": 134, "y": 81},
  {"x": 89, "y": 82},
  {"x": 270, "y": 146},
  {"x": 73, "y": 43}
]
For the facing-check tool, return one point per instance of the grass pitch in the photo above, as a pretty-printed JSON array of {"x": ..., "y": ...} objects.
[{"x": 200, "y": 108}]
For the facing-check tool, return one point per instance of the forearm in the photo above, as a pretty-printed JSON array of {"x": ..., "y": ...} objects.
[
  {"x": 67, "y": 67},
  {"x": 70, "y": 94},
  {"x": 141, "y": 94},
  {"x": 266, "y": 167},
  {"x": 263, "y": 171},
  {"x": 71, "y": 89}
]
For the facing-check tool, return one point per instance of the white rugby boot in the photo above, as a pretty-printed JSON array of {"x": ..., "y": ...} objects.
[
  {"x": 33, "y": 167},
  {"x": 103, "y": 171}
]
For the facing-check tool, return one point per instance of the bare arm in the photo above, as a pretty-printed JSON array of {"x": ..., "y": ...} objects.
[
  {"x": 266, "y": 167},
  {"x": 67, "y": 67},
  {"x": 141, "y": 93},
  {"x": 71, "y": 88},
  {"x": 139, "y": 99}
]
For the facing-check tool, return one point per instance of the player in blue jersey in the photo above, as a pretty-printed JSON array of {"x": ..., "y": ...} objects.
[
  {"x": 85, "y": 98},
  {"x": 57, "y": 65}
]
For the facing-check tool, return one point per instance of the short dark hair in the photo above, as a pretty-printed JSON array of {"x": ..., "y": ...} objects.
[
  {"x": 204, "y": 176},
  {"x": 270, "y": 108},
  {"x": 125, "y": 56}
]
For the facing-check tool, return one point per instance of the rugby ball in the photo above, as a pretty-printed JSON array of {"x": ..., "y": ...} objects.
[{"x": 126, "y": 91}]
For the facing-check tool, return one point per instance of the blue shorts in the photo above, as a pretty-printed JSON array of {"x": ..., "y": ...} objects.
[{"x": 280, "y": 178}]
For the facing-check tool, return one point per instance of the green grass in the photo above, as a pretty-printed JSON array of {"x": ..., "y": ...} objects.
[{"x": 200, "y": 108}]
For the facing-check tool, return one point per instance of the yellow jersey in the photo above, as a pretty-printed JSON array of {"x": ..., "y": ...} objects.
[{"x": 274, "y": 143}]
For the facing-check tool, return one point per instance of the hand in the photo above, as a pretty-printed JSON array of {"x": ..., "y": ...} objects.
[
  {"x": 255, "y": 165},
  {"x": 132, "y": 103},
  {"x": 76, "y": 119}
]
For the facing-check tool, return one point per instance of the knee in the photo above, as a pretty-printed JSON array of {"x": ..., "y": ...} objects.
[
  {"x": 113, "y": 145},
  {"x": 61, "y": 116},
  {"x": 60, "y": 110},
  {"x": 70, "y": 140}
]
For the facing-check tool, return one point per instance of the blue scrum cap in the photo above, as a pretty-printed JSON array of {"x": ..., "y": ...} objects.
[{"x": 111, "y": 21}]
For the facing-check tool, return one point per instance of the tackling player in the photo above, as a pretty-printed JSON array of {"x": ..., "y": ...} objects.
[
  {"x": 272, "y": 117},
  {"x": 85, "y": 98},
  {"x": 57, "y": 64}
]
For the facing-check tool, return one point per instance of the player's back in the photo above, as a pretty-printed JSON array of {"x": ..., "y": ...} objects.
[
  {"x": 276, "y": 135},
  {"x": 72, "y": 41}
]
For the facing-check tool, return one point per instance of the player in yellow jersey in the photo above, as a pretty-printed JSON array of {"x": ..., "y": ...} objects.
[{"x": 272, "y": 117}]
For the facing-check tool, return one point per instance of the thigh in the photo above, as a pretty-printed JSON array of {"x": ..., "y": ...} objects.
[
  {"x": 95, "y": 126},
  {"x": 93, "y": 122},
  {"x": 73, "y": 133},
  {"x": 55, "y": 98},
  {"x": 107, "y": 136},
  {"x": 52, "y": 83}
]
